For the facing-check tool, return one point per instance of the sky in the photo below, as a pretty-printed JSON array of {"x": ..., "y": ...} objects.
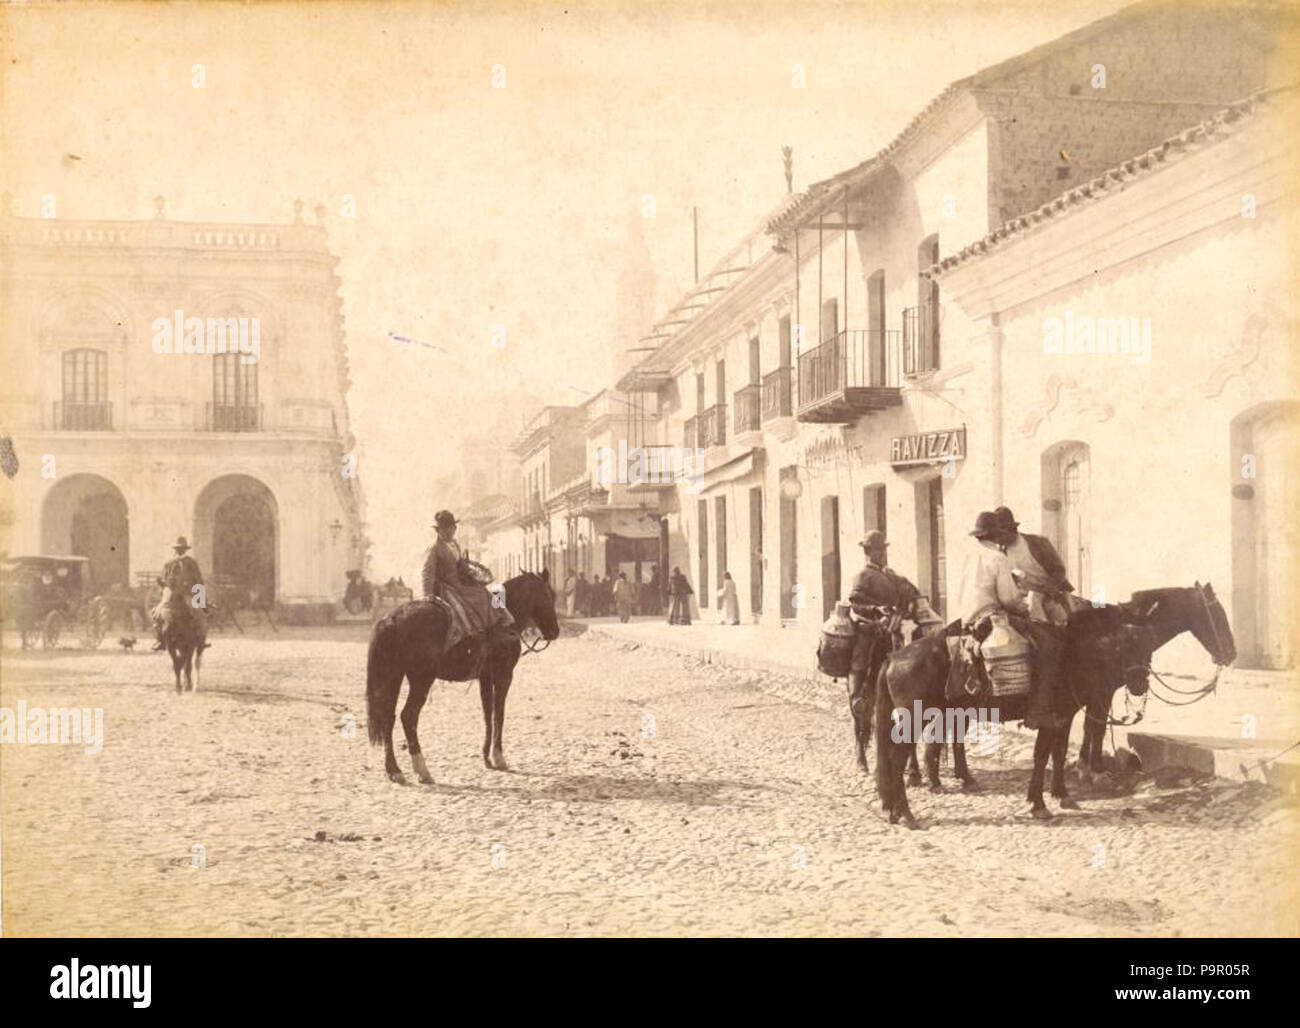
[{"x": 477, "y": 206}]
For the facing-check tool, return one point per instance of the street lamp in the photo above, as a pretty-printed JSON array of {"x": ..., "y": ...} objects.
[{"x": 335, "y": 527}]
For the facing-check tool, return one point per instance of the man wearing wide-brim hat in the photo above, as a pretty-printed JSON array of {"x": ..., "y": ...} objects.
[
  {"x": 1000, "y": 585},
  {"x": 1041, "y": 568},
  {"x": 179, "y": 577},
  {"x": 469, "y": 601},
  {"x": 878, "y": 587}
]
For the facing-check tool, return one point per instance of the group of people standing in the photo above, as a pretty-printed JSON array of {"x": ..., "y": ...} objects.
[
  {"x": 680, "y": 592},
  {"x": 613, "y": 594}
]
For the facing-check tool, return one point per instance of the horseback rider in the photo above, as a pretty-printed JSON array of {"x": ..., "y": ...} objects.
[
  {"x": 1042, "y": 570},
  {"x": 179, "y": 577},
  {"x": 1007, "y": 577},
  {"x": 878, "y": 585},
  {"x": 469, "y": 602},
  {"x": 879, "y": 588}
]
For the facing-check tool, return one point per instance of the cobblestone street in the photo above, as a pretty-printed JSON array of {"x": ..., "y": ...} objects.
[{"x": 650, "y": 795}]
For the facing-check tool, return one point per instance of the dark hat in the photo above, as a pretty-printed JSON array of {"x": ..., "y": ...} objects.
[
  {"x": 873, "y": 538},
  {"x": 1006, "y": 519},
  {"x": 987, "y": 524},
  {"x": 443, "y": 517},
  {"x": 181, "y": 544}
]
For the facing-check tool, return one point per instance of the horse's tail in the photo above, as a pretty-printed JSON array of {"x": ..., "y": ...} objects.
[
  {"x": 883, "y": 721},
  {"x": 381, "y": 702}
]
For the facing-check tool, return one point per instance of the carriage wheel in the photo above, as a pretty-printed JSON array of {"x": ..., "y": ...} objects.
[
  {"x": 51, "y": 629},
  {"x": 96, "y": 617}
]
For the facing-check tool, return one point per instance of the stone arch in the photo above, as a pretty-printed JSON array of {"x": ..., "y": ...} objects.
[
  {"x": 237, "y": 534},
  {"x": 87, "y": 515},
  {"x": 1066, "y": 499},
  {"x": 1264, "y": 450}
]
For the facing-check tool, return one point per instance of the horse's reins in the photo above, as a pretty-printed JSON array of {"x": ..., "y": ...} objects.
[
  {"x": 539, "y": 643},
  {"x": 1200, "y": 692}
]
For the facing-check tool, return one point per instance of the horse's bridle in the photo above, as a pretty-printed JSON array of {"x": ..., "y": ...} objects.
[{"x": 539, "y": 641}]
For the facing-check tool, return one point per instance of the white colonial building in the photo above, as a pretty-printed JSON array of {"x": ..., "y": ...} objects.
[
  {"x": 1142, "y": 334},
  {"x": 122, "y": 448}
]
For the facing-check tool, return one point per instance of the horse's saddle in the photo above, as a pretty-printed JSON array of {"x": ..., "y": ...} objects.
[{"x": 464, "y": 659}]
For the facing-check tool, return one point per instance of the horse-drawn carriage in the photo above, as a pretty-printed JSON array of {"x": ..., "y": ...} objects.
[
  {"x": 47, "y": 596},
  {"x": 389, "y": 596}
]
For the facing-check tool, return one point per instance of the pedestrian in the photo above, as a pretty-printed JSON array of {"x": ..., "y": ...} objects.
[
  {"x": 623, "y": 597},
  {"x": 680, "y": 590},
  {"x": 652, "y": 597},
  {"x": 582, "y": 595},
  {"x": 727, "y": 600},
  {"x": 570, "y": 593}
]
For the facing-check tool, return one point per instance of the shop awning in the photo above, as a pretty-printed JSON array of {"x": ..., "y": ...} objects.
[{"x": 736, "y": 468}]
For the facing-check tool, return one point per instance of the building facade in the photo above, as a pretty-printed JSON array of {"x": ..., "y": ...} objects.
[
  {"x": 1142, "y": 336},
  {"x": 136, "y": 418},
  {"x": 835, "y": 373}
]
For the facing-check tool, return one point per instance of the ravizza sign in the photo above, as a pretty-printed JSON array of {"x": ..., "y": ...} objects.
[{"x": 928, "y": 447}]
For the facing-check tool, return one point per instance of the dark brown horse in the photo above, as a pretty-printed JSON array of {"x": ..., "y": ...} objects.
[
  {"x": 1166, "y": 613},
  {"x": 407, "y": 644},
  {"x": 1104, "y": 648},
  {"x": 185, "y": 639},
  {"x": 862, "y": 701}
]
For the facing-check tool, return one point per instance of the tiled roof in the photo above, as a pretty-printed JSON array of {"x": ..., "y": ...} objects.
[
  {"x": 819, "y": 191},
  {"x": 1114, "y": 179}
]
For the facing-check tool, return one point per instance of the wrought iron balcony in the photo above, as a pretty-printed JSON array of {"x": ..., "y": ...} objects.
[
  {"x": 853, "y": 373},
  {"x": 83, "y": 417},
  {"x": 691, "y": 434},
  {"x": 713, "y": 426},
  {"x": 234, "y": 417},
  {"x": 749, "y": 403},
  {"x": 778, "y": 394},
  {"x": 920, "y": 339}
]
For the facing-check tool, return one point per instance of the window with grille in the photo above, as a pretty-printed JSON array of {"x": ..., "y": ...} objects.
[
  {"x": 85, "y": 389},
  {"x": 233, "y": 384}
]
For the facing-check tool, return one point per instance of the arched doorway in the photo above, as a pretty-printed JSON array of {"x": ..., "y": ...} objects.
[
  {"x": 86, "y": 515},
  {"x": 236, "y": 528},
  {"x": 1066, "y": 487},
  {"x": 1265, "y": 536}
]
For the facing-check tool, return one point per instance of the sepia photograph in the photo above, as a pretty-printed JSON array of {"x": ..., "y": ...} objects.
[{"x": 625, "y": 470}]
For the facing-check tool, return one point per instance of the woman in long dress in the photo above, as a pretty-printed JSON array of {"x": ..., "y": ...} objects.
[
  {"x": 727, "y": 600},
  {"x": 623, "y": 597}
]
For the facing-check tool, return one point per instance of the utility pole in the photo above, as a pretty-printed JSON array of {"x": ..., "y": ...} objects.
[{"x": 695, "y": 225}]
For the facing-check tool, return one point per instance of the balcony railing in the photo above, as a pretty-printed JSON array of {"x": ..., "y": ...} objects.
[
  {"x": 83, "y": 417},
  {"x": 713, "y": 426},
  {"x": 852, "y": 373},
  {"x": 234, "y": 417},
  {"x": 852, "y": 359},
  {"x": 691, "y": 433},
  {"x": 920, "y": 339},
  {"x": 777, "y": 394},
  {"x": 749, "y": 403}
]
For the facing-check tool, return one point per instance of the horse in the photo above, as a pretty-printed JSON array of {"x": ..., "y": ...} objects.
[
  {"x": 1104, "y": 647},
  {"x": 862, "y": 698},
  {"x": 407, "y": 643},
  {"x": 1167, "y": 612},
  {"x": 185, "y": 638}
]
